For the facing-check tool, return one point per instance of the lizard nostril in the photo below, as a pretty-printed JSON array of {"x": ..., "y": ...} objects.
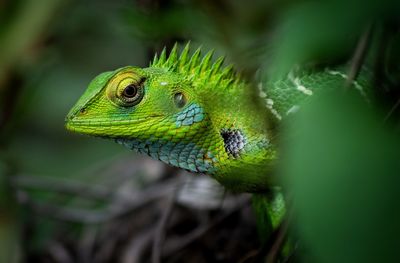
[{"x": 82, "y": 111}]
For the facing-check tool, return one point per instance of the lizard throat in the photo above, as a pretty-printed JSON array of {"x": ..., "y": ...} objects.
[{"x": 185, "y": 155}]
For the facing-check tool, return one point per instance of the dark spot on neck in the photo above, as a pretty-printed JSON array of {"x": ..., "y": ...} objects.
[{"x": 234, "y": 142}]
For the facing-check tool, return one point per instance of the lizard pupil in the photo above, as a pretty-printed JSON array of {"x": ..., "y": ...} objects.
[
  {"x": 130, "y": 94},
  {"x": 130, "y": 91}
]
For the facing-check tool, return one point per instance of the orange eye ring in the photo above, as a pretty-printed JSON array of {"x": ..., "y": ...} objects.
[
  {"x": 126, "y": 88},
  {"x": 131, "y": 94}
]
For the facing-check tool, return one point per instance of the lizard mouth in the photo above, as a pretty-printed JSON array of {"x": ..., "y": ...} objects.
[
  {"x": 100, "y": 122},
  {"x": 108, "y": 128}
]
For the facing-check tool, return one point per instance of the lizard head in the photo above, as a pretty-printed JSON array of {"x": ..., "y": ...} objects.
[
  {"x": 184, "y": 111},
  {"x": 159, "y": 110},
  {"x": 131, "y": 103}
]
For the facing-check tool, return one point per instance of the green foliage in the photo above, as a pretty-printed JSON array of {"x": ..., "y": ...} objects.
[{"x": 341, "y": 167}]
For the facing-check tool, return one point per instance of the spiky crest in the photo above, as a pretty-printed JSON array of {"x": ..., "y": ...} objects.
[{"x": 195, "y": 68}]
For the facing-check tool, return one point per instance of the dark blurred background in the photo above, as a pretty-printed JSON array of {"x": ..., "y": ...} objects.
[{"x": 69, "y": 198}]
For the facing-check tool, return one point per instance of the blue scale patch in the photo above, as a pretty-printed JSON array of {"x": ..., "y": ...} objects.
[
  {"x": 192, "y": 114},
  {"x": 184, "y": 155}
]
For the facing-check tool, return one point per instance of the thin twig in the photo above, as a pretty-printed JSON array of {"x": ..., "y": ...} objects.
[
  {"x": 280, "y": 235},
  {"x": 250, "y": 256},
  {"x": 63, "y": 186},
  {"x": 278, "y": 244},
  {"x": 120, "y": 206},
  {"x": 178, "y": 245},
  {"x": 359, "y": 56},
  {"x": 137, "y": 246},
  {"x": 395, "y": 106},
  {"x": 86, "y": 244},
  {"x": 160, "y": 231},
  {"x": 59, "y": 253}
]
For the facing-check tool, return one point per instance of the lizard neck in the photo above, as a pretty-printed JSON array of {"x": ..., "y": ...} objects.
[
  {"x": 245, "y": 162},
  {"x": 239, "y": 157},
  {"x": 183, "y": 154},
  {"x": 228, "y": 140}
]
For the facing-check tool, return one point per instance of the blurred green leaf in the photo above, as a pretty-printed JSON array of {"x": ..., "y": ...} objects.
[
  {"x": 320, "y": 32},
  {"x": 341, "y": 163}
]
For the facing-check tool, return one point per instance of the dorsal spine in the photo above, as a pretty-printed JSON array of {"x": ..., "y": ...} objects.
[{"x": 195, "y": 68}]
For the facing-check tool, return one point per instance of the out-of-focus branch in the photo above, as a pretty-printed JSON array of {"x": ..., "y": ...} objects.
[
  {"x": 392, "y": 110},
  {"x": 137, "y": 246},
  {"x": 117, "y": 207},
  {"x": 176, "y": 244},
  {"x": 160, "y": 231},
  {"x": 62, "y": 186},
  {"x": 280, "y": 237},
  {"x": 359, "y": 55}
]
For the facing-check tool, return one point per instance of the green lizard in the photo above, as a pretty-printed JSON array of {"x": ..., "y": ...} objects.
[{"x": 192, "y": 113}]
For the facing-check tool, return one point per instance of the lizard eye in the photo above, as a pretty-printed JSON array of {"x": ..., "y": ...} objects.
[
  {"x": 126, "y": 88},
  {"x": 179, "y": 99},
  {"x": 131, "y": 94}
]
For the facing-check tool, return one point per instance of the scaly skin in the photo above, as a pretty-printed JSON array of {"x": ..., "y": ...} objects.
[
  {"x": 197, "y": 115},
  {"x": 188, "y": 113}
]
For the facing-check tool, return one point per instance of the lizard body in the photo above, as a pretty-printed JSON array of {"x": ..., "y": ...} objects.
[
  {"x": 186, "y": 112},
  {"x": 200, "y": 116}
]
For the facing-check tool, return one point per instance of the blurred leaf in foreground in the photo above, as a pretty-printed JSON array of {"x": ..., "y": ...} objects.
[{"x": 341, "y": 164}]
